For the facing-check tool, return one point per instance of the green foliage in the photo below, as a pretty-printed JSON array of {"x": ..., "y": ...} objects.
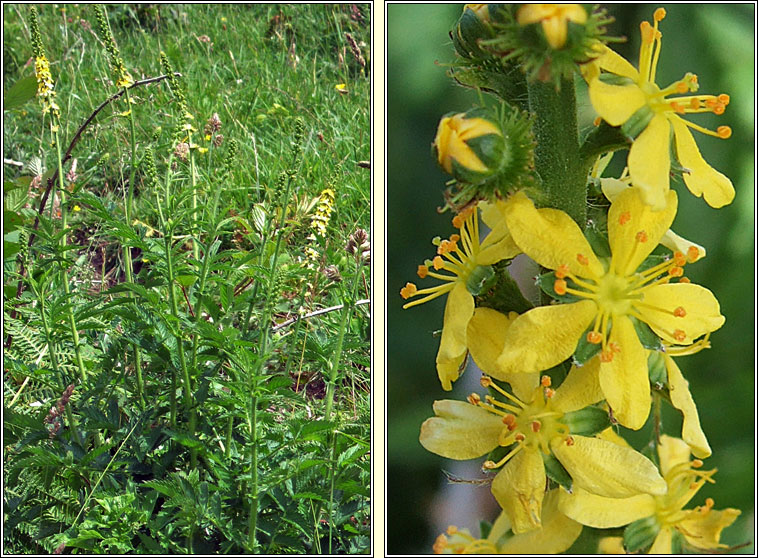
[{"x": 220, "y": 444}]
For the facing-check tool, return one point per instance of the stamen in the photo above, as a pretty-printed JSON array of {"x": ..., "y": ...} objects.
[
  {"x": 452, "y": 530},
  {"x": 659, "y": 14},
  {"x": 724, "y": 132},
  {"x": 679, "y": 335},
  {"x": 422, "y": 271},
  {"x": 594, "y": 337},
  {"x": 549, "y": 392},
  {"x": 408, "y": 291},
  {"x": 520, "y": 437},
  {"x": 724, "y": 99},
  {"x": 569, "y": 441},
  {"x": 692, "y": 254},
  {"x": 510, "y": 421},
  {"x": 641, "y": 237},
  {"x": 680, "y": 259},
  {"x": 679, "y": 312},
  {"x": 504, "y": 393},
  {"x": 474, "y": 399},
  {"x": 582, "y": 259},
  {"x": 684, "y": 280},
  {"x": 597, "y": 121},
  {"x": 624, "y": 218},
  {"x": 678, "y": 108},
  {"x": 560, "y": 286},
  {"x": 562, "y": 271},
  {"x": 546, "y": 381},
  {"x": 676, "y": 271},
  {"x": 696, "y": 463}
]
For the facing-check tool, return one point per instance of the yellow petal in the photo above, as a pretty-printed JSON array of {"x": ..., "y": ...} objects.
[
  {"x": 544, "y": 336},
  {"x": 611, "y": 435},
  {"x": 556, "y": 30},
  {"x": 704, "y": 531},
  {"x": 492, "y": 213},
  {"x": 519, "y": 488},
  {"x": 497, "y": 245},
  {"x": 614, "y": 63},
  {"x": 627, "y": 217},
  {"x": 580, "y": 388},
  {"x": 649, "y": 161},
  {"x": 607, "y": 469},
  {"x": 557, "y": 533},
  {"x": 501, "y": 526},
  {"x": 662, "y": 543},
  {"x": 460, "y": 430},
  {"x": 486, "y": 338},
  {"x": 703, "y": 314},
  {"x": 604, "y": 513},
  {"x": 458, "y": 311},
  {"x": 550, "y": 237},
  {"x": 615, "y": 103},
  {"x": 676, "y": 243},
  {"x": 681, "y": 398},
  {"x": 612, "y": 188},
  {"x": 702, "y": 179},
  {"x": 672, "y": 452},
  {"x": 611, "y": 545},
  {"x": 624, "y": 379}
]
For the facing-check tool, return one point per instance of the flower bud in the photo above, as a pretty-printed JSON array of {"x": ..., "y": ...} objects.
[
  {"x": 469, "y": 145},
  {"x": 475, "y": 25}
]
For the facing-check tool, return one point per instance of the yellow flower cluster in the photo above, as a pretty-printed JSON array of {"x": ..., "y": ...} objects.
[
  {"x": 622, "y": 311},
  {"x": 45, "y": 86},
  {"x": 319, "y": 222}
]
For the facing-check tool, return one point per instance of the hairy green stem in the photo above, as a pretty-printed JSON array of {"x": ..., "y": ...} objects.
[
  {"x": 557, "y": 155},
  {"x": 253, "y": 459}
]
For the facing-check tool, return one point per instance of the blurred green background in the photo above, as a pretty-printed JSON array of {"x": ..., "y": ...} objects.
[{"x": 715, "y": 42}]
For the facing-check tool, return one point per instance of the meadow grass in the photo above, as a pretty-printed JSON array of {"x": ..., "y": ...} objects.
[{"x": 160, "y": 392}]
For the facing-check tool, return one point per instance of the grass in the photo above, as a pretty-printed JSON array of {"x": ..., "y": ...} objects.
[{"x": 160, "y": 394}]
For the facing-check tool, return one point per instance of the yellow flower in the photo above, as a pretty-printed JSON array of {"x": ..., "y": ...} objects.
[
  {"x": 77, "y": 208},
  {"x": 556, "y": 534},
  {"x": 663, "y": 521},
  {"x": 640, "y": 102},
  {"x": 554, "y": 19},
  {"x": 45, "y": 85},
  {"x": 530, "y": 429},
  {"x": 462, "y": 141},
  {"x": 467, "y": 262},
  {"x": 608, "y": 294}
]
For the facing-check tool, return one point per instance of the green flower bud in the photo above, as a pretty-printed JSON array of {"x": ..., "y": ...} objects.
[{"x": 475, "y": 25}]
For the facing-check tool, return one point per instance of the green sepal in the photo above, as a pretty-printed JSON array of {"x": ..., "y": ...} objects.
[
  {"x": 468, "y": 30},
  {"x": 641, "y": 534},
  {"x": 638, "y": 121},
  {"x": 507, "y": 82},
  {"x": 481, "y": 279},
  {"x": 596, "y": 234},
  {"x": 677, "y": 542},
  {"x": 546, "y": 282},
  {"x": 656, "y": 369},
  {"x": 584, "y": 349},
  {"x": 491, "y": 151},
  {"x": 504, "y": 295},
  {"x": 484, "y": 528},
  {"x": 556, "y": 472},
  {"x": 613, "y": 79},
  {"x": 588, "y": 421},
  {"x": 647, "y": 336},
  {"x": 497, "y": 454}
]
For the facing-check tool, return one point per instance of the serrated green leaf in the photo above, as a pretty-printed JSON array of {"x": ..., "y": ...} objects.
[{"x": 21, "y": 91}]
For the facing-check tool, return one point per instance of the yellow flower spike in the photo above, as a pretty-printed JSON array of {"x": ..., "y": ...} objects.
[
  {"x": 527, "y": 429},
  {"x": 701, "y": 527},
  {"x": 461, "y": 263},
  {"x": 643, "y": 100},
  {"x": 554, "y": 19},
  {"x": 610, "y": 294}
]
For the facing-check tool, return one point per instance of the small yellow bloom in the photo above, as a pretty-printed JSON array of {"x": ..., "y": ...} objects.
[
  {"x": 341, "y": 88},
  {"x": 467, "y": 262},
  {"x": 700, "y": 528},
  {"x": 530, "y": 429},
  {"x": 556, "y": 534},
  {"x": 77, "y": 208},
  {"x": 554, "y": 19},
  {"x": 609, "y": 293},
  {"x": 641, "y": 100},
  {"x": 451, "y": 142}
]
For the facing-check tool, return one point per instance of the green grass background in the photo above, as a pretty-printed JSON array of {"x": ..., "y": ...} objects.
[{"x": 715, "y": 42}]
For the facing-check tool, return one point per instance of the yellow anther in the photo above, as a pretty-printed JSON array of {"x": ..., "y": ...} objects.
[
  {"x": 582, "y": 259},
  {"x": 682, "y": 87},
  {"x": 659, "y": 14},
  {"x": 677, "y": 107},
  {"x": 520, "y": 437},
  {"x": 422, "y": 271},
  {"x": 684, "y": 280},
  {"x": 509, "y": 419},
  {"x": 647, "y": 32},
  {"x": 549, "y": 392},
  {"x": 489, "y": 464},
  {"x": 680, "y": 312},
  {"x": 680, "y": 259},
  {"x": 562, "y": 271},
  {"x": 641, "y": 236},
  {"x": 724, "y": 132},
  {"x": 474, "y": 399},
  {"x": 594, "y": 337},
  {"x": 408, "y": 291},
  {"x": 694, "y": 103},
  {"x": 458, "y": 221},
  {"x": 719, "y": 109},
  {"x": 452, "y": 530},
  {"x": 455, "y": 238},
  {"x": 676, "y": 271},
  {"x": 709, "y": 503},
  {"x": 624, "y": 218},
  {"x": 438, "y": 262},
  {"x": 569, "y": 441},
  {"x": 724, "y": 99},
  {"x": 597, "y": 121},
  {"x": 696, "y": 463},
  {"x": 440, "y": 543},
  {"x": 679, "y": 335},
  {"x": 485, "y": 381},
  {"x": 546, "y": 381},
  {"x": 560, "y": 287},
  {"x": 692, "y": 254},
  {"x": 536, "y": 426}
]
